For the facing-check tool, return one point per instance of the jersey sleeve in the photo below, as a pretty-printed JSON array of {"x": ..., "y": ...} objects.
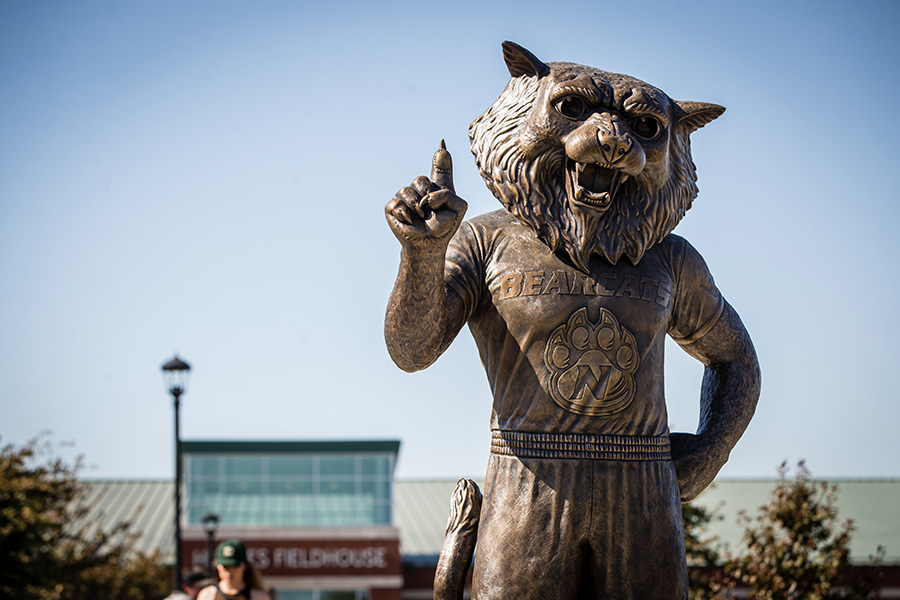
[
  {"x": 698, "y": 302},
  {"x": 464, "y": 268}
]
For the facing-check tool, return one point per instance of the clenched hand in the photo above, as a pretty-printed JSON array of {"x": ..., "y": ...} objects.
[{"x": 427, "y": 212}]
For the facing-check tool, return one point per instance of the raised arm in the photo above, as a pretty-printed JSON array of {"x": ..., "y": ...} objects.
[
  {"x": 422, "y": 319},
  {"x": 731, "y": 384}
]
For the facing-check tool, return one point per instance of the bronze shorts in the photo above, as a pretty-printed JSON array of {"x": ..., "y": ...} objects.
[{"x": 570, "y": 528}]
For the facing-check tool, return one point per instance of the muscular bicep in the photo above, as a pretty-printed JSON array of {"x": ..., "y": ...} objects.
[
  {"x": 731, "y": 380},
  {"x": 728, "y": 397},
  {"x": 725, "y": 342}
]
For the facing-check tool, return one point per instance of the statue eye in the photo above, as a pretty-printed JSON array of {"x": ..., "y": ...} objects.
[
  {"x": 646, "y": 127},
  {"x": 572, "y": 107}
]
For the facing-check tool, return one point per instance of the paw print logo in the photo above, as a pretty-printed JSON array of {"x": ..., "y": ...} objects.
[{"x": 592, "y": 365}]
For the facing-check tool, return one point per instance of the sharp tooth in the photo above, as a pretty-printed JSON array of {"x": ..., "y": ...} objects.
[
  {"x": 614, "y": 184},
  {"x": 579, "y": 193}
]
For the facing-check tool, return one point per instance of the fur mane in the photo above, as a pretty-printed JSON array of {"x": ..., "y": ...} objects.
[{"x": 533, "y": 188}]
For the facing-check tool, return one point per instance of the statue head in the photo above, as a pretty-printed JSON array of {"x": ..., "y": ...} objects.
[{"x": 596, "y": 163}]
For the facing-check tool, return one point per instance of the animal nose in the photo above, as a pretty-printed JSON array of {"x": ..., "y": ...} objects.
[
  {"x": 614, "y": 142},
  {"x": 613, "y": 145},
  {"x": 607, "y": 141}
]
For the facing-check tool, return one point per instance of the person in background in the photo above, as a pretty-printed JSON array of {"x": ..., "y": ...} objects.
[
  {"x": 238, "y": 579},
  {"x": 192, "y": 583}
]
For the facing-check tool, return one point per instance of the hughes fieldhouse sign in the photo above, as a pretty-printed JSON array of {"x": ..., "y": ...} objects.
[{"x": 312, "y": 557}]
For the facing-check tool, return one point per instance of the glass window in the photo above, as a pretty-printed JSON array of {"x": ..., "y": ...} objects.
[
  {"x": 284, "y": 490},
  {"x": 331, "y": 466},
  {"x": 243, "y": 509},
  {"x": 337, "y": 487},
  {"x": 201, "y": 466},
  {"x": 210, "y": 504},
  {"x": 290, "y": 487},
  {"x": 376, "y": 465},
  {"x": 201, "y": 489},
  {"x": 243, "y": 465},
  {"x": 292, "y": 511},
  {"x": 291, "y": 465},
  {"x": 243, "y": 487},
  {"x": 378, "y": 489},
  {"x": 382, "y": 515}
]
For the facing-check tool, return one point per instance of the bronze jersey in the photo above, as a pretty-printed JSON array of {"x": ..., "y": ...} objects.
[{"x": 573, "y": 352}]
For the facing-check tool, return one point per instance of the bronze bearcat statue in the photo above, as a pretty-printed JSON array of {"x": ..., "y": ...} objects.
[{"x": 569, "y": 292}]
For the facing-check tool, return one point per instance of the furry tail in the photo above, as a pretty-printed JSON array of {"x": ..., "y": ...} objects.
[{"x": 459, "y": 541}]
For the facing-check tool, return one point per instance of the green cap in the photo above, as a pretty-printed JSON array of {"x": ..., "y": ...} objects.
[{"x": 231, "y": 553}]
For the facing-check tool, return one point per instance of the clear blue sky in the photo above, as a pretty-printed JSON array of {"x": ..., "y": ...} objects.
[{"x": 209, "y": 177}]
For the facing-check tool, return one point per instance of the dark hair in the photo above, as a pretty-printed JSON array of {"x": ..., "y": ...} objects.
[{"x": 252, "y": 580}]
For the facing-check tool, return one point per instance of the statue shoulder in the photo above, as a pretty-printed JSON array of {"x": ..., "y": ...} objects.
[
  {"x": 673, "y": 242},
  {"x": 495, "y": 219},
  {"x": 489, "y": 224},
  {"x": 679, "y": 247}
]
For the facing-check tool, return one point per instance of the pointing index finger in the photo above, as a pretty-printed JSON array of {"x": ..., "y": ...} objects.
[{"x": 442, "y": 168}]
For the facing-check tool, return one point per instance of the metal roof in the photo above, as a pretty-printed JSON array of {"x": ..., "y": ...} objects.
[
  {"x": 148, "y": 505},
  {"x": 421, "y": 509}
]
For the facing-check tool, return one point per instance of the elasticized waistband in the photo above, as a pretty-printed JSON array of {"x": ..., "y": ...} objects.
[{"x": 580, "y": 446}]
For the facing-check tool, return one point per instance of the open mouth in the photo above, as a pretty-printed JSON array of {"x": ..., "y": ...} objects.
[{"x": 591, "y": 184}]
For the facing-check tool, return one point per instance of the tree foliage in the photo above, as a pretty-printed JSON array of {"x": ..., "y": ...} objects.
[
  {"x": 793, "y": 549},
  {"x": 45, "y": 553},
  {"x": 703, "y": 556}
]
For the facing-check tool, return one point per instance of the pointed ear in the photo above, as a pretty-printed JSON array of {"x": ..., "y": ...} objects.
[
  {"x": 694, "y": 115},
  {"x": 520, "y": 61}
]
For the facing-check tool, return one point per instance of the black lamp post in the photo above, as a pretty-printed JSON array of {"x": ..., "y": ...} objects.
[
  {"x": 210, "y": 524},
  {"x": 176, "y": 373}
]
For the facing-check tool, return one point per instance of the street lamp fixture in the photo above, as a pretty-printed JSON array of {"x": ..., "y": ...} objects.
[
  {"x": 176, "y": 374},
  {"x": 210, "y": 525}
]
